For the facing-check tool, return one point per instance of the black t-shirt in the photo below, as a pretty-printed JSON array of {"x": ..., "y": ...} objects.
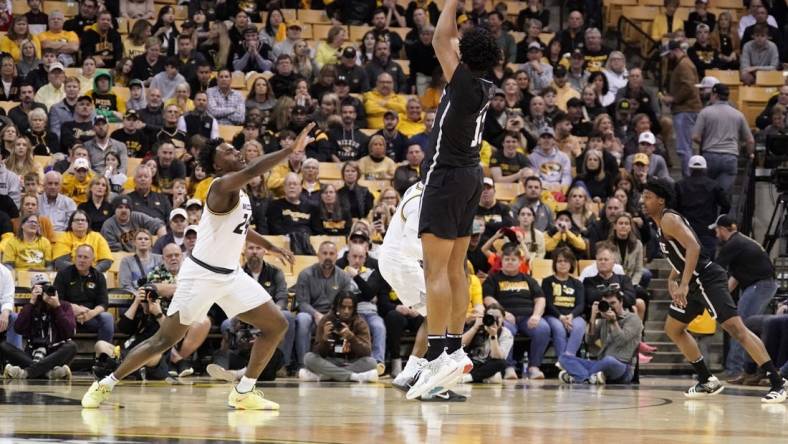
[
  {"x": 8, "y": 206},
  {"x": 348, "y": 145},
  {"x": 564, "y": 297},
  {"x": 285, "y": 217},
  {"x": 89, "y": 291},
  {"x": 456, "y": 140},
  {"x": 396, "y": 146},
  {"x": 593, "y": 293},
  {"x": 509, "y": 166},
  {"x": 137, "y": 143},
  {"x": 97, "y": 215},
  {"x": 73, "y": 132},
  {"x": 176, "y": 170},
  {"x": 142, "y": 70},
  {"x": 745, "y": 260},
  {"x": 516, "y": 294},
  {"x": 595, "y": 60}
]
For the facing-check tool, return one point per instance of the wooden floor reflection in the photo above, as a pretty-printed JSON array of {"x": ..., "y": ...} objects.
[{"x": 547, "y": 412}]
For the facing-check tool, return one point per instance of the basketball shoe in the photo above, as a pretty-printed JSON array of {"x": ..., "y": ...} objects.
[
  {"x": 253, "y": 400},
  {"x": 406, "y": 377},
  {"x": 776, "y": 395},
  {"x": 96, "y": 394},
  {"x": 702, "y": 390},
  {"x": 436, "y": 376}
]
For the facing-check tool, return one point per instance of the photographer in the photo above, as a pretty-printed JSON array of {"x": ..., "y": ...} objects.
[
  {"x": 488, "y": 344},
  {"x": 605, "y": 277},
  {"x": 48, "y": 326},
  {"x": 619, "y": 331},
  {"x": 229, "y": 362},
  {"x": 140, "y": 322},
  {"x": 341, "y": 350}
]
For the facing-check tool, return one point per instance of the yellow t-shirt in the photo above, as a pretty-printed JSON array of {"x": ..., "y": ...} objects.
[
  {"x": 67, "y": 243},
  {"x": 11, "y": 47},
  {"x": 372, "y": 170},
  {"x": 62, "y": 36},
  {"x": 27, "y": 255},
  {"x": 475, "y": 288},
  {"x": 76, "y": 190},
  {"x": 131, "y": 50}
]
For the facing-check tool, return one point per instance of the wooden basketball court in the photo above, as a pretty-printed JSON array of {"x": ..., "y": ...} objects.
[{"x": 540, "y": 412}]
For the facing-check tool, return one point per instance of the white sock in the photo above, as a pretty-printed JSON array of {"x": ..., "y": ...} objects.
[
  {"x": 245, "y": 385},
  {"x": 355, "y": 377},
  {"x": 109, "y": 381},
  {"x": 467, "y": 378}
]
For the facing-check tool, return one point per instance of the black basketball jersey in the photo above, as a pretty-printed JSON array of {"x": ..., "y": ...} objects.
[
  {"x": 675, "y": 253},
  {"x": 456, "y": 137}
]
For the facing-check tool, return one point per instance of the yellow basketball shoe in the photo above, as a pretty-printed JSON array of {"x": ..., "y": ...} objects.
[
  {"x": 253, "y": 400},
  {"x": 96, "y": 394}
]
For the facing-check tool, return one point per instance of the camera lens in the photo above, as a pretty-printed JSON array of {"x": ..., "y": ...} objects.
[
  {"x": 488, "y": 320},
  {"x": 49, "y": 290},
  {"x": 603, "y": 306}
]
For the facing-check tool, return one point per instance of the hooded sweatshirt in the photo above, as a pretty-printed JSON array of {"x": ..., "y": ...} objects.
[
  {"x": 108, "y": 102},
  {"x": 553, "y": 168}
]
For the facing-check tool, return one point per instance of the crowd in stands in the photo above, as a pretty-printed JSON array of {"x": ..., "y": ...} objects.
[{"x": 100, "y": 185}]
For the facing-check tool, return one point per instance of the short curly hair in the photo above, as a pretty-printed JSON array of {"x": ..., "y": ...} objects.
[
  {"x": 479, "y": 50},
  {"x": 207, "y": 155}
]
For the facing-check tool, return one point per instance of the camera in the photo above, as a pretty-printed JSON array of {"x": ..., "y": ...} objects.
[
  {"x": 488, "y": 320},
  {"x": 603, "y": 306},
  {"x": 150, "y": 292},
  {"x": 337, "y": 325},
  {"x": 49, "y": 290},
  {"x": 142, "y": 281}
]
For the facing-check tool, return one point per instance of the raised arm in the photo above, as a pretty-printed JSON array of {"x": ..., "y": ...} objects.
[
  {"x": 445, "y": 38},
  {"x": 237, "y": 180}
]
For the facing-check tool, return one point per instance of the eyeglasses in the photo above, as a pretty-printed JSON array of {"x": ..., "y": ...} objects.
[
  {"x": 79, "y": 220},
  {"x": 31, "y": 222}
]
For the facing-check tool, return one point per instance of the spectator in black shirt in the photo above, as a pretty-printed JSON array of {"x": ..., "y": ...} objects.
[
  {"x": 79, "y": 130},
  {"x": 751, "y": 270},
  {"x": 422, "y": 59},
  {"x": 354, "y": 75},
  {"x": 283, "y": 82},
  {"x": 496, "y": 215},
  {"x": 86, "y": 17},
  {"x": 18, "y": 114},
  {"x": 382, "y": 33},
  {"x": 534, "y": 10},
  {"x": 352, "y": 12},
  {"x": 565, "y": 298},
  {"x": 146, "y": 201},
  {"x": 103, "y": 43},
  {"x": 353, "y": 196},
  {"x": 605, "y": 278},
  {"x": 522, "y": 298},
  {"x": 702, "y": 53},
  {"x": 396, "y": 142},
  {"x": 152, "y": 116},
  {"x": 169, "y": 168},
  {"x": 136, "y": 140},
  {"x": 699, "y": 16},
  {"x": 330, "y": 217},
  {"x": 348, "y": 142},
  {"x": 290, "y": 214},
  {"x": 150, "y": 63},
  {"x": 572, "y": 37},
  {"x": 383, "y": 62},
  {"x": 253, "y": 55},
  {"x": 202, "y": 80},
  {"x": 86, "y": 289},
  {"x": 409, "y": 173},
  {"x": 509, "y": 165},
  {"x": 700, "y": 200}
]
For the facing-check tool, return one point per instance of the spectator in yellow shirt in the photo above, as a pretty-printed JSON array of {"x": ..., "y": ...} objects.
[
  {"x": 28, "y": 249},
  {"x": 76, "y": 182},
  {"x": 66, "y": 43},
  {"x": 327, "y": 52},
  {"x": 376, "y": 165},
  {"x": 412, "y": 122},
  {"x": 669, "y": 22},
  {"x": 79, "y": 233},
  {"x": 381, "y": 99},
  {"x": 17, "y": 34}
]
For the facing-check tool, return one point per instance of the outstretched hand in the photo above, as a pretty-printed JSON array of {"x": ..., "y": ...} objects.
[{"x": 304, "y": 138}]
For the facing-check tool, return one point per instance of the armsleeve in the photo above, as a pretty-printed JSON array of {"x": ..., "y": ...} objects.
[
  {"x": 303, "y": 294},
  {"x": 109, "y": 235},
  {"x": 125, "y": 276},
  {"x": 280, "y": 289},
  {"x": 725, "y": 255},
  {"x": 547, "y": 290}
]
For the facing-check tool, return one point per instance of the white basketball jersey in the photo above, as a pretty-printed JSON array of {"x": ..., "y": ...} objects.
[
  {"x": 221, "y": 237},
  {"x": 402, "y": 235}
]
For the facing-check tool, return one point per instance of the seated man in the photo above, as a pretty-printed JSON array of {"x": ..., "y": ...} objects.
[
  {"x": 52, "y": 203},
  {"x": 409, "y": 173},
  {"x": 176, "y": 233},
  {"x": 619, "y": 331},
  {"x": 48, "y": 324},
  {"x": 553, "y": 166},
  {"x": 108, "y": 104},
  {"x": 342, "y": 346},
  {"x": 595, "y": 286},
  {"x": 164, "y": 279},
  {"x": 508, "y": 164},
  {"x": 119, "y": 230},
  {"x": 532, "y": 197},
  {"x": 758, "y": 55},
  {"x": 381, "y": 99},
  {"x": 144, "y": 199},
  {"x": 86, "y": 289},
  {"x": 488, "y": 344},
  {"x": 316, "y": 289},
  {"x": 168, "y": 166},
  {"x": 290, "y": 214}
]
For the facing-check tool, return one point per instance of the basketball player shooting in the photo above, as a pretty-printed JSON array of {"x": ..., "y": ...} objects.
[
  {"x": 211, "y": 274},
  {"x": 696, "y": 283},
  {"x": 452, "y": 188}
]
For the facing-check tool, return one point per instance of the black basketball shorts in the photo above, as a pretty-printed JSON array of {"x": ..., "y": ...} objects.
[
  {"x": 709, "y": 290},
  {"x": 450, "y": 201}
]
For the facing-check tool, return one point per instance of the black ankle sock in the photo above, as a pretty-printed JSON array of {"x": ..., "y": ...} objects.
[
  {"x": 775, "y": 379},
  {"x": 435, "y": 348},
  {"x": 700, "y": 368},
  {"x": 453, "y": 342}
]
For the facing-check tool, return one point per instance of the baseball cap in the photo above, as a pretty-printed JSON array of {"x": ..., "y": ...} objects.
[
  {"x": 559, "y": 71},
  {"x": 341, "y": 80},
  {"x": 359, "y": 234},
  {"x": 131, "y": 114},
  {"x": 641, "y": 158},
  {"x": 721, "y": 90},
  {"x": 136, "y": 82},
  {"x": 707, "y": 82},
  {"x": 673, "y": 44},
  {"x": 723, "y": 220},
  {"x": 192, "y": 202},
  {"x": 697, "y": 163},
  {"x": 534, "y": 45},
  {"x": 99, "y": 118},
  {"x": 88, "y": 98},
  {"x": 294, "y": 24},
  {"x": 121, "y": 200},
  {"x": 190, "y": 228},
  {"x": 498, "y": 92},
  {"x": 547, "y": 131},
  {"x": 81, "y": 163},
  {"x": 177, "y": 212},
  {"x": 349, "y": 52},
  {"x": 39, "y": 279},
  {"x": 648, "y": 137},
  {"x": 462, "y": 18},
  {"x": 56, "y": 65},
  {"x": 577, "y": 54},
  {"x": 624, "y": 105},
  {"x": 487, "y": 181},
  {"x": 389, "y": 113}
]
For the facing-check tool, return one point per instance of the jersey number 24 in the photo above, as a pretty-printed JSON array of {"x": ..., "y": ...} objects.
[{"x": 243, "y": 226}]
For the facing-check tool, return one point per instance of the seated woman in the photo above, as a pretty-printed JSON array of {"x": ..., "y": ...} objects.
[
  {"x": 353, "y": 196},
  {"x": 376, "y": 165},
  {"x": 565, "y": 299},
  {"x": 563, "y": 234},
  {"x": 330, "y": 218},
  {"x": 488, "y": 343},
  {"x": 579, "y": 206},
  {"x": 630, "y": 256},
  {"x": 79, "y": 233},
  {"x": 134, "y": 268},
  {"x": 522, "y": 298},
  {"x": 98, "y": 205},
  {"x": 533, "y": 239},
  {"x": 594, "y": 177},
  {"x": 28, "y": 249}
]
